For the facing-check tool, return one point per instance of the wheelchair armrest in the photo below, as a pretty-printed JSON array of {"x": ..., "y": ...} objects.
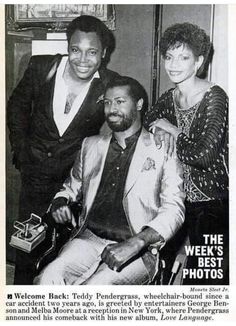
[{"x": 39, "y": 264}]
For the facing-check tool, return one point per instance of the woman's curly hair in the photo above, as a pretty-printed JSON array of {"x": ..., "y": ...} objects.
[{"x": 187, "y": 34}]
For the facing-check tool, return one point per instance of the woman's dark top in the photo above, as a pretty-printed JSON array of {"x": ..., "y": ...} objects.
[{"x": 202, "y": 146}]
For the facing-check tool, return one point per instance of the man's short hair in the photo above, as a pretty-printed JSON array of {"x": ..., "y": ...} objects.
[
  {"x": 87, "y": 24},
  {"x": 136, "y": 90}
]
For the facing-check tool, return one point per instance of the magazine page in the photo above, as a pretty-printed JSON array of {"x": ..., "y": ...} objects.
[{"x": 117, "y": 183}]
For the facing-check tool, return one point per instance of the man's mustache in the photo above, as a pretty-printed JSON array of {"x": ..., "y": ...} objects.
[{"x": 114, "y": 115}]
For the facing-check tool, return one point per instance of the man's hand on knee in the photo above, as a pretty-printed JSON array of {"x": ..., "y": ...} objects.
[{"x": 116, "y": 255}]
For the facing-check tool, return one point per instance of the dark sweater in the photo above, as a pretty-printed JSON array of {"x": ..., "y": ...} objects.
[{"x": 205, "y": 150}]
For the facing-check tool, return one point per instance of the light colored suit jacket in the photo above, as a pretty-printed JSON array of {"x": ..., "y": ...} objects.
[{"x": 153, "y": 194}]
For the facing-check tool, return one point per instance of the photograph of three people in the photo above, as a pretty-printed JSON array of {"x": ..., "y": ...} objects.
[{"x": 117, "y": 144}]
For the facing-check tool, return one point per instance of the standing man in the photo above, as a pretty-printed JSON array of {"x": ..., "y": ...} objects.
[
  {"x": 55, "y": 106},
  {"x": 132, "y": 200}
]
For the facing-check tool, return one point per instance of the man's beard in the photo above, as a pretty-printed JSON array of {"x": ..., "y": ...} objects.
[{"x": 123, "y": 124}]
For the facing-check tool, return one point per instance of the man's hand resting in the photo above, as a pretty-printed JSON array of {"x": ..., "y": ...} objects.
[
  {"x": 61, "y": 212},
  {"x": 117, "y": 254}
]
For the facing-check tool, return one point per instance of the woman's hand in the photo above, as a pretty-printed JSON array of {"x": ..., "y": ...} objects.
[
  {"x": 163, "y": 136},
  {"x": 165, "y": 125}
]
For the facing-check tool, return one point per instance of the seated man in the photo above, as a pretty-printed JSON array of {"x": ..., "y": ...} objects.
[{"x": 133, "y": 200}]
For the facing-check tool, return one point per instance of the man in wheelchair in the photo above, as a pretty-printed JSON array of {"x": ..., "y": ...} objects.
[{"x": 132, "y": 199}]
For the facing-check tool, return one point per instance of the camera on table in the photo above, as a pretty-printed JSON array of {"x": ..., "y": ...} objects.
[{"x": 29, "y": 234}]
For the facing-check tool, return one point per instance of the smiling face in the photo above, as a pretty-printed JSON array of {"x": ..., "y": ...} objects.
[
  {"x": 85, "y": 54},
  {"x": 121, "y": 110},
  {"x": 181, "y": 64}
]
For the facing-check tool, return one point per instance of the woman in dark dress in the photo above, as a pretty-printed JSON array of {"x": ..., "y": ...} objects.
[{"x": 194, "y": 116}]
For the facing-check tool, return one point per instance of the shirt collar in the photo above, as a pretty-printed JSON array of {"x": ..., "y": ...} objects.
[
  {"x": 129, "y": 140},
  {"x": 96, "y": 75}
]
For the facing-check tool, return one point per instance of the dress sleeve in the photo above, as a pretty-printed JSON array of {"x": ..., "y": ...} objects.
[
  {"x": 209, "y": 132},
  {"x": 164, "y": 108}
]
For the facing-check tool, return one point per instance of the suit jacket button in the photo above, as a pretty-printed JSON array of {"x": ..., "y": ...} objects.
[
  {"x": 61, "y": 140},
  {"x": 49, "y": 154}
]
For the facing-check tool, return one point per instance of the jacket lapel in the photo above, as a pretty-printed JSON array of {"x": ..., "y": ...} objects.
[
  {"x": 140, "y": 155},
  {"x": 98, "y": 161},
  {"x": 100, "y": 152},
  {"x": 47, "y": 89},
  {"x": 49, "y": 85}
]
